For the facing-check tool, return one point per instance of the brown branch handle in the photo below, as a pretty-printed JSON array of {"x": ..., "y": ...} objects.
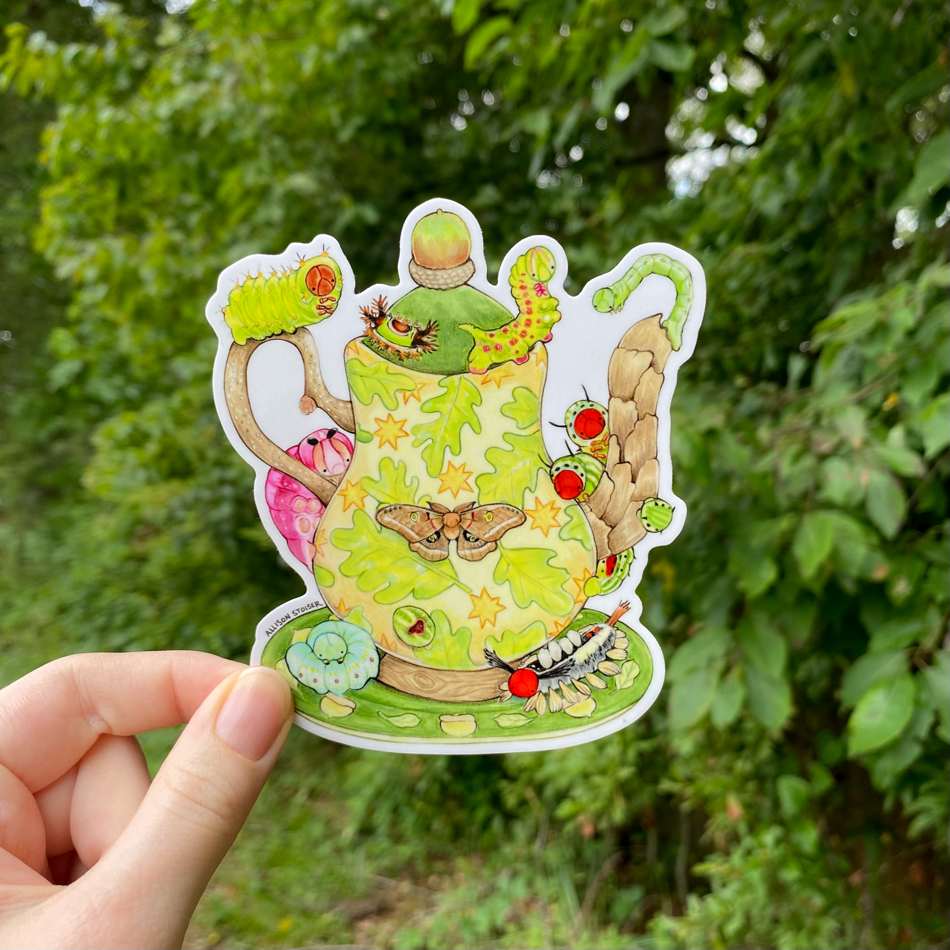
[{"x": 239, "y": 406}]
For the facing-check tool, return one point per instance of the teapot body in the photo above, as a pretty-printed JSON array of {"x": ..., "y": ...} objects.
[{"x": 452, "y": 440}]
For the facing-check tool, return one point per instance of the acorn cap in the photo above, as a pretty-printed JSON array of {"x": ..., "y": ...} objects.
[{"x": 441, "y": 251}]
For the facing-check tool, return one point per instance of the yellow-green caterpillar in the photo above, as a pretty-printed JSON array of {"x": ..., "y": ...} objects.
[
  {"x": 281, "y": 302},
  {"x": 611, "y": 299},
  {"x": 538, "y": 313}
]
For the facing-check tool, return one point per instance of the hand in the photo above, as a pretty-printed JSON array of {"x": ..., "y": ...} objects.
[{"x": 91, "y": 853}]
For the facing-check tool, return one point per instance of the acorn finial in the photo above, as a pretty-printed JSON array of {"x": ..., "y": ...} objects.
[{"x": 441, "y": 251}]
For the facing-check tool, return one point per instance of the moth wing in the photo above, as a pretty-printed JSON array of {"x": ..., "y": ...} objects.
[
  {"x": 413, "y": 523},
  {"x": 491, "y": 522},
  {"x": 421, "y": 527},
  {"x": 483, "y": 526},
  {"x": 433, "y": 550}
]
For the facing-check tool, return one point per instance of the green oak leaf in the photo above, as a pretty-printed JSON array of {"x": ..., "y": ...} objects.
[
  {"x": 533, "y": 579},
  {"x": 403, "y": 721},
  {"x": 368, "y": 380},
  {"x": 393, "y": 487},
  {"x": 576, "y": 528},
  {"x": 382, "y": 563},
  {"x": 449, "y": 648},
  {"x": 524, "y": 409},
  {"x": 322, "y": 576},
  {"x": 453, "y": 408},
  {"x": 516, "y": 643},
  {"x": 515, "y": 470}
]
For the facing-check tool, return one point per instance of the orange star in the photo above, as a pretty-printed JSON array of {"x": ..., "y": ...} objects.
[
  {"x": 579, "y": 582},
  {"x": 413, "y": 394},
  {"x": 319, "y": 541},
  {"x": 543, "y": 517},
  {"x": 496, "y": 375},
  {"x": 341, "y": 608},
  {"x": 390, "y": 431},
  {"x": 455, "y": 479},
  {"x": 353, "y": 495},
  {"x": 560, "y": 626},
  {"x": 542, "y": 355},
  {"x": 485, "y": 608}
]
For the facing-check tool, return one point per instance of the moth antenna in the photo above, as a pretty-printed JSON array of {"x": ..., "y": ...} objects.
[
  {"x": 620, "y": 610},
  {"x": 496, "y": 661}
]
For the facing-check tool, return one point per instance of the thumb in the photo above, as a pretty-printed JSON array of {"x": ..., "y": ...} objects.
[{"x": 160, "y": 866}]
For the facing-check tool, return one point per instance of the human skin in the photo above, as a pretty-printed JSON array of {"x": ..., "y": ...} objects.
[{"x": 93, "y": 853}]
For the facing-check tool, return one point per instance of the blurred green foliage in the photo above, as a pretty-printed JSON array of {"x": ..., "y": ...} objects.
[{"x": 790, "y": 789}]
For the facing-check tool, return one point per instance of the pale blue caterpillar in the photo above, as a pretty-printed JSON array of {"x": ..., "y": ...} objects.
[{"x": 611, "y": 299}]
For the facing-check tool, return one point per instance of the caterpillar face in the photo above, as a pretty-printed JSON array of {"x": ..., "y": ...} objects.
[
  {"x": 611, "y": 572},
  {"x": 395, "y": 336},
  {"x": 585, "y": 420},
  {"x": 655, "y": 514},
  {"x": 576, "y": 476}
]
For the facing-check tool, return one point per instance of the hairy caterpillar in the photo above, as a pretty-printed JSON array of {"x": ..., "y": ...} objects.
[
  {"x": 553, "y": 676},
  {"x": 280, "y": 302},
  {"x": 611, "y": 299},
  {"x": 537, "y": 314}
]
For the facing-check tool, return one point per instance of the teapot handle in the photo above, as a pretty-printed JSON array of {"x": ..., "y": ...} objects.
[{"x": 316, "y": 394}]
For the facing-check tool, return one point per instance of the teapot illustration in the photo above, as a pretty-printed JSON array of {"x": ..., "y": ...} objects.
[{"x": 467, "y": 585}]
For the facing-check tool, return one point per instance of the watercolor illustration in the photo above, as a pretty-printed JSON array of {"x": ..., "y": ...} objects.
[{"x": 467, "y": 475}]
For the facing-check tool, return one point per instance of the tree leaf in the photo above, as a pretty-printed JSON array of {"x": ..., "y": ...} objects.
[
  {"x": 933, "y": 424},
  {"x": 376, "y": 380},
  {"x": 881, "y": 715},
  {"x": 793, "y": 794},
  {"x": 692, "y": 696},
  {"x": 702, "y": 650},
  {"x": 813, "y": 542},
  {"x": 533, "y": 579},
  {"x": 464, "y": 15},
  {"x": 762, "y": 645},
  {"x": 770, "y": 699},
  {"x": 454, "y": 408},
  {"x": 382, "y": 563},
  {"x": 727, "y": 703},
  {"x": 393, "y": 487},
  {"x": 885, "y": 501},
  {"x": 867, "y": 671},
  {"x": 673, "y": 57},
  {"x": 754, "y": 568},
  {"x": 482, "y": 36}
]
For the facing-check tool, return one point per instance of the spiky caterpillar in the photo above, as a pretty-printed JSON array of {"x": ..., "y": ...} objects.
[
  {"x": 537, "y": 314},
  {"x": 280, "y": 302},
  {"x": 611, "y": 299}
]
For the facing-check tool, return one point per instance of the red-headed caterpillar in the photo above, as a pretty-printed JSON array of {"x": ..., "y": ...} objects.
[{"x": 553, "y": 676}]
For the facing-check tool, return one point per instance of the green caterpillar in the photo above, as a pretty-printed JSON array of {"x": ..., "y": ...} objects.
[
  {"x": 537, "y": 314},
  {"x": 281, "y": 302},
  {"x": 611, "y": 299}
]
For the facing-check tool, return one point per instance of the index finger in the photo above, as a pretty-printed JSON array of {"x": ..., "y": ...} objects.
[{"x": 51, "y": 717}]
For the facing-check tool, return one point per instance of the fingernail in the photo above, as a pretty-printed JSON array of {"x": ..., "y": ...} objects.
[{"x": 254, "y": 712}]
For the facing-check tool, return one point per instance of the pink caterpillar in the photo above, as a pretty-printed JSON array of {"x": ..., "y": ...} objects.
[{"x": 295, "y": 509}]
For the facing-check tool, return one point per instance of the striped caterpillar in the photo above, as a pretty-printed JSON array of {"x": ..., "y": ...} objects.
[
  {"x": 285, "y": 300},
  {"x": 538, "y": 312},
  {"x": 566, "y": 666},
  {"x": 611, "y": 299}
]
